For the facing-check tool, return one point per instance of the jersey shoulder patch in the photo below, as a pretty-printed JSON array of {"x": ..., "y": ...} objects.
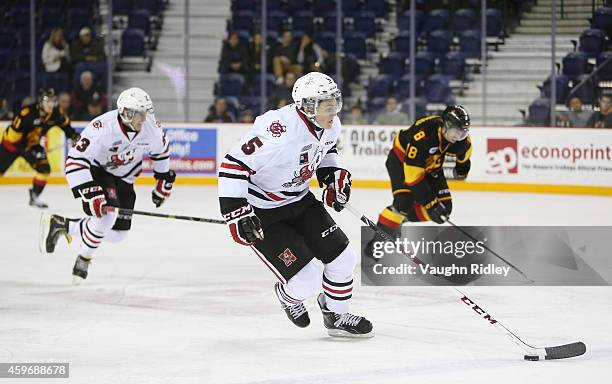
[{"x": 24, "y": 111}]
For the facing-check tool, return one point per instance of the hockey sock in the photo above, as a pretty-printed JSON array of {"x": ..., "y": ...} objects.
[{"x": 338, "y": 281}]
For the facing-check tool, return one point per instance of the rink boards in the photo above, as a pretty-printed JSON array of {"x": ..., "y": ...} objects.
[{"x": 521, "y": 159}]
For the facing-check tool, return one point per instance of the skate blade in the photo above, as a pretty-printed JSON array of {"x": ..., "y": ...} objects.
[
  {"x": 345, "y": 334},
  {"x": 45, "y": 223},
  {"x": 77, "y": 280}
]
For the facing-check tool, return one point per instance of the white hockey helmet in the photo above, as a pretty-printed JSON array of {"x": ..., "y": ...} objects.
[
  {"x": 313, "y": 87},
  {"x": 131, "y": 101}
]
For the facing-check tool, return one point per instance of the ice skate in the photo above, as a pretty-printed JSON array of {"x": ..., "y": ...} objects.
[
  {"x": 35, "y": 200},
  {"x": 79, "y": 271},
  {"x": 296, "y": 313},
  {"x": 344, "y": 325},
  {"x": 52, "y": 227}
]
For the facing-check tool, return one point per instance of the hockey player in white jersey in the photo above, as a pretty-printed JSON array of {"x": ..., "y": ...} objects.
[
  {"x": 265, "y": 199},
  {"x": 101, "y": 169}
]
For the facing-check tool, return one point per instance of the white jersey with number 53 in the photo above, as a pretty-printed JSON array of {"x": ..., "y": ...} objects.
[
  {"x": 105, "y": 143},
  {"x": 273, "y": 163}
]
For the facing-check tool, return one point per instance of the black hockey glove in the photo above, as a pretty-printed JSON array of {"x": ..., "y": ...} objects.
[
  {"x": 244, "y": 225},
  {"x": 338, "y": 190},
  {"x": 436, "y": 211},
  {"x": 163, "y": 187},
  {"x": 462, "y": 169},
  {"x": 93, "y": 199}
]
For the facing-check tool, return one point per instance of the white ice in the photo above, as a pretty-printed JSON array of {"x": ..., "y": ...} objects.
[{"x": 179, "y": 302}]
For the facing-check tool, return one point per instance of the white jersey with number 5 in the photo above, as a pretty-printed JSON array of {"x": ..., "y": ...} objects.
[
  {"x": 105, "y": 143},
  {"x": 273, "y": 163}
]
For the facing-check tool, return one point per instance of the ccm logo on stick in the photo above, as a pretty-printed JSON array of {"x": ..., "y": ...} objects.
[{"x": 478, "y": 310}]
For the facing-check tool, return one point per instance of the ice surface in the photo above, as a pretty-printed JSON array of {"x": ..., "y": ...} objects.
[{"x": 179, "y": 302}]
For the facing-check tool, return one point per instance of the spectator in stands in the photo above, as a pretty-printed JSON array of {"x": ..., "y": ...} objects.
[
  {"x": 233, "y": 56},
  {"x": 255, "y": 57},
  {"x": 5, "y": 110},
  {"x": 219, "y": 113},
  {"x": 356, "y": 117},
  {"x": 392, "y": 114},
  {"x": 575, "y": 117},
  {"x": 310, "y": 56},
  {"x": 247, "y": 117},
  {"x": 55, "y": 52},
  {"x": 603, "y": 117},
  {"x": 64, "y": 100},
  {"x": 86, "y": 48},
  {"x": 84, "y": 92},
  {"x": 282, "y": 93},
  {"x": 285, "y": 58},
  {"x": 92, "y": 109}
]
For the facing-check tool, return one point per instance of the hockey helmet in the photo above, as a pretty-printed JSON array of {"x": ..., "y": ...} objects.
[
  {"x": 47, "y": 100},
  {"x": 312, "y": 88},
  {"x": 132, "y": 101},
  {"x": 456, "y": 123}
]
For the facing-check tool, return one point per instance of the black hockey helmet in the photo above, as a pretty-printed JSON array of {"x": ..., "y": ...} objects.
[
  {"x": 46, "y": 95},
  {"x": 455, "y": 118}
]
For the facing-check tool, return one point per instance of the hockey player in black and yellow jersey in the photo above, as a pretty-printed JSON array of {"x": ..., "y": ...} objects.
[
  {"x": 23, "y": 135},
  {"x": 420, "y": 190}
]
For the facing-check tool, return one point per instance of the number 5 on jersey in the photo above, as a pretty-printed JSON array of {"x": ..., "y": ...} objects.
[{"x": 250, "y": 146}]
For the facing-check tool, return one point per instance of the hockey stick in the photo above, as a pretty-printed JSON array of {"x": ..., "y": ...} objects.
[
  {"x": 125, "y": 211},
  {"x": 490, "y": 250},
  {"x": 532, "y": 353}
]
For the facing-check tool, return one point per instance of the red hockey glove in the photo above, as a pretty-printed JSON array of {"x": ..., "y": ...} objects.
[
  {"x": 163, "y": 188},
  {"x": 93, "y": 199},
  {"x": 338, "y": 190},
  {"x": 244, "y": 225}
]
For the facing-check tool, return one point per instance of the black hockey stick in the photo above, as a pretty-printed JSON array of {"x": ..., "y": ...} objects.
[
  {"x": 126, "y": 211},
  {"x": 532, "y": 353},
  {"x": 490, "y": 250}
]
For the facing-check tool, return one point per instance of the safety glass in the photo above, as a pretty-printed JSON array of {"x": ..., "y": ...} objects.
[
  {"x": 459, "y": 133},
  {"x": 330, "y": 106}
]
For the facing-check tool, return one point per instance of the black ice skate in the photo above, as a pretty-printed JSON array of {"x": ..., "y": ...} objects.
[
  {"x": 35, "y": 200},
  {"x": 344, "y": 325},
  {"x": 52, "y": 227},
  {"x": 79, "y": 271},
  {"x": 296, "y": 313}
]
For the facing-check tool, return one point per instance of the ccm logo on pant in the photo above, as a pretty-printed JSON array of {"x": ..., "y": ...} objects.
[{"x": 329, "y": 230}]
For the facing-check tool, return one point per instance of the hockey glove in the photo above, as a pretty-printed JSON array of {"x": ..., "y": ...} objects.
[
  {"x": 338, "y": 190},
  {"x": 244, "y": 225},
  {"x": 436, "y": 211},
  {"x": 462, "y": 169},
  {"x": 163, "y": 188},
  {"x": 93, "y": 199}
]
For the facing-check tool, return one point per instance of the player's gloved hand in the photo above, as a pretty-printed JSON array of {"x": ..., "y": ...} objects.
[
  {"x": 462, "y": 169},
  {"x": 163, "y": 187},
  {"x": 93, "y": 199},
  {"x": 338, "y": 190},
  {"x": 244, "y": 225},
  {"x": 436, "y": 211}
]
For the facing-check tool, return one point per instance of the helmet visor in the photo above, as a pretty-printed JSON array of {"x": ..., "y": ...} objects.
[
  {"x": 455, "y": 132},
  {"x": 330, "y": 106}
]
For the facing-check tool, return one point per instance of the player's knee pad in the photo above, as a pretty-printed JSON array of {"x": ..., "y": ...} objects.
[
  {"x": 305, "y": 283},
  {"x": 342, "y": 267},
  {"x": 115, "y": 236},
  {"x": 43, "y": 167},
  {"x": 102, "y": 225}
]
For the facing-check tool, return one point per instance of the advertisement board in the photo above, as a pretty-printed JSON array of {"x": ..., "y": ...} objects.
[{"x": 558, "y": 160}]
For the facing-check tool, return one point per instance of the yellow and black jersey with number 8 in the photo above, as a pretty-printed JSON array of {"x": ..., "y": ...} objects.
[{"x": 421, "y": 149}]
